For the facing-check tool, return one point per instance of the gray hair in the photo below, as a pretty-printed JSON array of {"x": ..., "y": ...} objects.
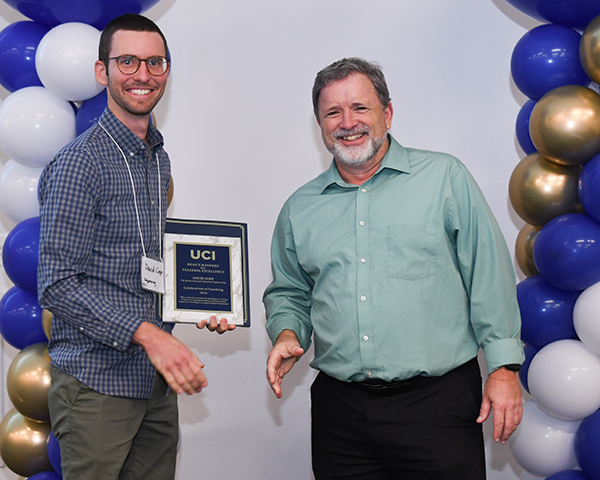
[{"x": 348, "y": 66}]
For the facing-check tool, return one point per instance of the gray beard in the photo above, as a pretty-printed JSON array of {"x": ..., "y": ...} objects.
[{"x": 356, "y": 156}]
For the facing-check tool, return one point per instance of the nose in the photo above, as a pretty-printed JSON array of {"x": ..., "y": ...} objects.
[
  {"x": 347, "y": 120},
  {"x": 142, "y": 73}
]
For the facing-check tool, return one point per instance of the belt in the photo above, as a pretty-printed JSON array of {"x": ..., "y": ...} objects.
[{"x": 381, "y": 388}]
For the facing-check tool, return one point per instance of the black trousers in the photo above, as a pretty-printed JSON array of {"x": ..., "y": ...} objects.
[{"x": 426, "y": 431}]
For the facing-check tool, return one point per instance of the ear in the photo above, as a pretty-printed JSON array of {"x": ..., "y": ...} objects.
[
  {"x": 101, "y": 73},
  {"x": 388, "y": 113}
]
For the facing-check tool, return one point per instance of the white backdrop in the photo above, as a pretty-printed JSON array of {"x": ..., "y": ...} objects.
[{"x": 238, "y": 124}]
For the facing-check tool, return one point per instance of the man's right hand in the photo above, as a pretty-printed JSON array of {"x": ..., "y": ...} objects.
[
  {"x": 284, "y": 354},
  {"x": 179, "y": 366}
]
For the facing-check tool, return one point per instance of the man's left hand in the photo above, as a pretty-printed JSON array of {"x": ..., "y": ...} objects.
[
  {"x": 216, "y": 326},
  {"x": 502, "y": 394}
]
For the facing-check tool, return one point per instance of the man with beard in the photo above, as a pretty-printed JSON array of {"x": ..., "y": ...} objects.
[
  {"x": 394, "y": 262},
  {"x": 115, "y": 367}
]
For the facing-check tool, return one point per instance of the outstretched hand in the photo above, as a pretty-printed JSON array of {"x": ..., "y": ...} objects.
[{"x": 283, "y": 356}]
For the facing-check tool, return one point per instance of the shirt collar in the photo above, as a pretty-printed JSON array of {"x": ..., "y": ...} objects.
[
  {"x": 128, "y": 140},
  {"x": 395, "y": 158}
]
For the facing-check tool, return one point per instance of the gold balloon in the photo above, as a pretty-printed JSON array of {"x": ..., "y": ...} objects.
[
  {"x": 589, "y": 49},
  {"x": 47, "y": 323},
  {"x": 24, "y": 444},
  {"x": 540, "y": 190},
  {"x": 565, "y": 125},
  {"x": 28, "y": 382},
  {"x": 170, "y": 193},
  {"x": 524, "y": 249}
]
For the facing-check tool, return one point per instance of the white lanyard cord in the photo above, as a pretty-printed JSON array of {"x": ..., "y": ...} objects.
[{"x": 137, "y": 213}]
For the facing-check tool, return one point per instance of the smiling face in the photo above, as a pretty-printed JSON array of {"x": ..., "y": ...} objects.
[
  {"x": 132, "y": 97},
  {"x": 353, "y": 122}
]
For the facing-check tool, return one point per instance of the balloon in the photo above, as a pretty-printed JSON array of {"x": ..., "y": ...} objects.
[
  {"x": 543, "y": 445},
  {"x": 51, "y": 475},
  {"x": 547, "y": 57},
  {"x": 54, "y": 453},
  {"x": 18, "y": 191},
  {"x": 524, "y": 249},
  {"x": 565, "y": 125},
  {"x": 20, "y": 254},
  {"x": 93, "y": 12},
  {"x": 18, "y": 43},
  {"x": 530, "y": 476},
  {"x": 587, "y": 444},
  {"x": 540, "y": 190},
  {"x": 28, "y": 382},
  {"x": 546, "y": 312},
  {"x": 529, "y": 354},
  {"x": 568, "y": 475},
  {"x": 574, "y": 13},
  {"x": 564, "y": 380},
  {"x": 586, "y": 317},
  {"x": 522, "y": 127},
  {"x": 567, "y": 252},
  {"x": 47, "y": 323},
  {"x": 589, "y": 188},
  {"x": 589, "y": 49},
  {"x": 65, "y": 61},
  {"x": 35, "y": 125},
  {"x": 21, "y": 319},
  {"x": 89, "y": 112},
  {"x": 23, "y": 444}
]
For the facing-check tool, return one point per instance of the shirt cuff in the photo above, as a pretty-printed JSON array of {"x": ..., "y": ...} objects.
[
  {"x": 503, "y": 352},
  {"x": 275, "y": 327}
]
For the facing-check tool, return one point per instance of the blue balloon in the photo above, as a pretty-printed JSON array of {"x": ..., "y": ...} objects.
[
  {"x": 54, "y": 453},
  {"x": 545, "y": 58},
  {"x": 569, "y": 475},
  {"x": 589, "y": 187},
  {"x": 21, "y": 319},
  {"x": 93, "y": 12},
  {"x": 50, "y": 475},
  {"x": 566, "y": 252},
  {"x": 522, "y": 127},
  {"x": 587, "y": 445},
  {"x": 21, "y": 252},
  {"x": 573, "y": 13},
  {"x": 546, "y": 312},
  {"x": 89, "y": 112},
  {"x": 18, "y": 44},
  {"x": 529, "y": 354}
]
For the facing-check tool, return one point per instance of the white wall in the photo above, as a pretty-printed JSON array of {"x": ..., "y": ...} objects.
[{"x": 238, "y": 124}]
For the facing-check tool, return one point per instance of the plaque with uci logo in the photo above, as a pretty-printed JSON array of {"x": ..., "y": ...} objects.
[{"x": 206, "y": 271}]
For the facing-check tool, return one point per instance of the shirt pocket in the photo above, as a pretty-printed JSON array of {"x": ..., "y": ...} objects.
[{"x": 411, "y": 250}]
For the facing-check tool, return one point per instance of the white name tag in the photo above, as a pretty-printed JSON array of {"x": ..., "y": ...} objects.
[{"x": 153, "y": 275}]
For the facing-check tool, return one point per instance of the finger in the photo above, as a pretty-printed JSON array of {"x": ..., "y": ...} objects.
[{"x": 201, "y": 324}]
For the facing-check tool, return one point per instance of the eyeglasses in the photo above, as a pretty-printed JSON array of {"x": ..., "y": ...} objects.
[{"x": 130, "y": 64}]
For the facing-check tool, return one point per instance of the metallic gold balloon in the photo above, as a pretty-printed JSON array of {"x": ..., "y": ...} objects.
[
  {"x": 24, "y": 444},
  {"x": 565, "y": 125},
  {"x": 47, "y": 322},
  {"x": 540, "y": 190},
  {"x": 170, "y": 193},
  {"x": 28, "y": 382},
  {"x": 524, "y": 249},
  {"x": 589, "y": 49}
]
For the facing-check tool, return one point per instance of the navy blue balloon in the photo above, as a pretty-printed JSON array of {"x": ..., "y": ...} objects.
[
  {"x": 18, "y": 44},
  {"x": 21, "y": 319},
  {"x": 545, "y": 58},
  {"x": 546, "y": 312},
  {"x": 587, "y": 445},
  {"x": 93, "y": 12},
  {"x": 89, "y": 112},
  {"x": 522, "y": 127},
  {"x": 54, "y": 453},
  {"x": 20, "y": 254},
  {"x": 589, "y": 187},
  {"x": 569, "y": 475},
  {"x": 566, "y": 251},
  {"x": 529, "y": 354},
  {"x": 50, "y": 475},
  {"x": 572, "y": 13}
]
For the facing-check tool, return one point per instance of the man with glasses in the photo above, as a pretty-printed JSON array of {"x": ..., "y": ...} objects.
[{"x": 116, "y": 368}]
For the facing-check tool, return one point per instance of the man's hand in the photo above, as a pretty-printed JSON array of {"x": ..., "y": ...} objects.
[
  {"x": 284, "y": 354},
  {"x": 216, "y": 326},
  {"x": 179, "y": 366},
  {"x": 502, "y": 393}
]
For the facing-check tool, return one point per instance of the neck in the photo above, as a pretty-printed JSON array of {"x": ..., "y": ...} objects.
[
  {"x": 138, "y": 124},
  {"x": 359, "y": 174}
]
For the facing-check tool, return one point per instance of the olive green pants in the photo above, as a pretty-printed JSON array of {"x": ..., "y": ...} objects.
[{"x": 102, "y": 437}]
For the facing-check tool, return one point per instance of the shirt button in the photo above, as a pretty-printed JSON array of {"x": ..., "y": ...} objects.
[
  {"x": 363, "y": 189},
  {"x": 363, "y": 298},
  {"x": 370, "y": 374},
  {"x": 81, "y": 329},
  {"x": 363, "y": 260},
  {"x": 365, "y": 338},
  {"x": 115, "y": 344},
  {"x": 131, "y": 154},
  {"x": 362, "y": 223}
]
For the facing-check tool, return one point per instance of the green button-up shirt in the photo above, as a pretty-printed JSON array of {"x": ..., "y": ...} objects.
[{"x": 407, "y": 274}]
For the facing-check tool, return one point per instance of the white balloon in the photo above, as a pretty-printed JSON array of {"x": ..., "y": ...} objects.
[
  {"x": 543, "y": 445},
  {"x": 530, "y": 476},
  {"x": 65, "y": 59},
  {"x": 18, "y": 191},
  {"x": 35, "y": 125},
  {"x": 564, "y": 380},
  {"x": 586, "y": 317}
]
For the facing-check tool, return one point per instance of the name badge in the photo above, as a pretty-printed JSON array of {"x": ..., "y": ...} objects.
[{"x": 153, "y": 275}]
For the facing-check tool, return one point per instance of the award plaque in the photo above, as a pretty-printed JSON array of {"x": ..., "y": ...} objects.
[{"x": 206, "y": 272}]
